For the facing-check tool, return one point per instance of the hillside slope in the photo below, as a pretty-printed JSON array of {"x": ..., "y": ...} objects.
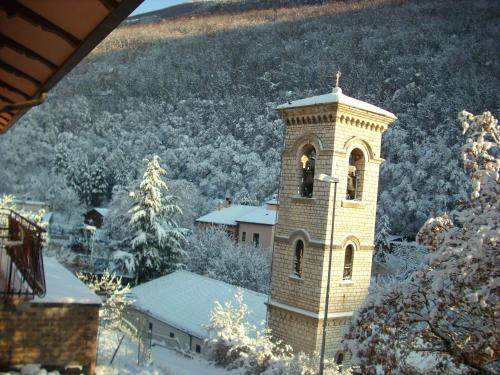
[{"x": 200, "y": 91}]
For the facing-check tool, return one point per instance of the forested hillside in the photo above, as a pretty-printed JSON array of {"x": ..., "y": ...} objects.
[{"x": 200, "y": 92}]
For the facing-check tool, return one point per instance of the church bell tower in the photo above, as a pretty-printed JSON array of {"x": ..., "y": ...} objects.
[{"x": 338, "y": 136}]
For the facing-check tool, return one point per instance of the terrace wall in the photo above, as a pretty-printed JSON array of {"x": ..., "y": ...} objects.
[{"x": 50, "y": 334}]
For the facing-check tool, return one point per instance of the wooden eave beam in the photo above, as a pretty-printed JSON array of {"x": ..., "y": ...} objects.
[
  {"x": 13, "y": 70},
  {"x": 109, "y": 4},
  {"x": 5, "y": 118},
  {"x": 107, "y": 25},
  {"x": 14, "y": 8},
  {"x": 22, "y": 105},
  {"x": 5, "y": 85},
  {"x": 25, "y": 51},
  {"x": 5, "y": 99}
]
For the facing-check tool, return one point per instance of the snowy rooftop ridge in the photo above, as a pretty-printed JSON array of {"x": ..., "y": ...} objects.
[
  {"x": 184, "y": 300},
  {"x": 336, "y": 96},
  {"x": 240, "y": 213},
  {"x": 102, "y": 210},
  {"x": 260, "y": 215},
  {"x": 64, "y": 287}
]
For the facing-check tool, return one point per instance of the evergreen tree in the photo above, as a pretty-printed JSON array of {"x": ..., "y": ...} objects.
[
  {"x": 382, "y": 232},
  {"x": 156, "y": 238},
  {"x": 99, "y": 181}
]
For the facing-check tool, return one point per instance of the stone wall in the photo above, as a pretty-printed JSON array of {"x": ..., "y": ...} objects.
[
  {"x": 304, "y": 334},
  {"x": 49, "y": 334}
]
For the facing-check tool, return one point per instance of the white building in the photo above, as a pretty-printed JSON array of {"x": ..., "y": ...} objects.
[
  {"x": 246, "y": 224},
  {"x": 176, "y": 308}
]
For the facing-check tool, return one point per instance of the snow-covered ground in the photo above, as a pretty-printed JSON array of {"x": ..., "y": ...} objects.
[{"x": 163, "y": 361}]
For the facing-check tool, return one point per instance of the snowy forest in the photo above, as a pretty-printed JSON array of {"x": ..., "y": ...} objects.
[{"x": 200, "y": 92}]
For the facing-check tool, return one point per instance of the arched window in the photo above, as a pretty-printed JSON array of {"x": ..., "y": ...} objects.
[
  {"x": 348, "y": 259},
  {"x": 355, "y": 175},
  {"x": 307, "y": 163},
  {"x": 298, "y": 259}
]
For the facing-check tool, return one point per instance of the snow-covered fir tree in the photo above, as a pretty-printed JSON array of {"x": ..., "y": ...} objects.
[
  {"x": 382, "y": 232},
  {"x": 157, "y": 240},
  {"x": 445, "y": 316}
]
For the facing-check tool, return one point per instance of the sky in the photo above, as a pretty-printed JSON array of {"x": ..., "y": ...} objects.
[{"x": 150, "y": 5}]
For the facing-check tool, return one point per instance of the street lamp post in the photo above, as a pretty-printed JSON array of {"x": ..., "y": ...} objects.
[{"x": 334, "y": 181}]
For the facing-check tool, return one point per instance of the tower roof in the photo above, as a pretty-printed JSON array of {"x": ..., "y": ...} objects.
[{"x": 336, "y": 96}]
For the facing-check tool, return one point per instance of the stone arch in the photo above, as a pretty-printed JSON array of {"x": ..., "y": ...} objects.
[
  {"x": 349, "y": 248},
  {"x": 305, "y": 139},
  {"x": 351, "y": 240},
  {"x": 364, "y": 146},
  {"x": 300, "y": 234}
]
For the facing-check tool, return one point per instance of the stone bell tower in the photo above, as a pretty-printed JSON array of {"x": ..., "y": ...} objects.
[{"x": 339, "y": 136}]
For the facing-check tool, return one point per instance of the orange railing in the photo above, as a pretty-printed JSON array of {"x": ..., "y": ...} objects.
[{"x": 21, "y": 261}]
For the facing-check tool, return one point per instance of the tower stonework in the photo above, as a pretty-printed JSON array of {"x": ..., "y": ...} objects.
[{"x": 339, "y": 136}]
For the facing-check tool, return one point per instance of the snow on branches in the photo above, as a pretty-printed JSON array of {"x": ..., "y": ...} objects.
[
  {"x": 445, "y": 316},
  {"x": 156, "y": 238},
  {"x": 116, "y": 296},
  {"x": 237, "y": 344}
]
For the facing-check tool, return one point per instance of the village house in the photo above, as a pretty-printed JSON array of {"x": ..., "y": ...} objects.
[
  {"x": 96, "y": 216},
  {"x": 174, "y": 310},
  {"x": 245, "y": 224},
  {"x": 47, "y": 316}
]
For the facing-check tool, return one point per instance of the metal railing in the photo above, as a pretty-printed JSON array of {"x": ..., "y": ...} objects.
[{"x": 21, "y": 262}]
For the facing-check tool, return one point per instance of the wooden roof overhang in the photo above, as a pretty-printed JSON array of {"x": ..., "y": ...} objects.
[{"x": 42, "y": 40}]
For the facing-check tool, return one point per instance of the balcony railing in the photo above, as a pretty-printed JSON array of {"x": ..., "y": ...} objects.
[{"x": 21, "y": 261}]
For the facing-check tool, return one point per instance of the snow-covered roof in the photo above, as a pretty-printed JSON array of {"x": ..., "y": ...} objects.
[
  {"x": 47, "y": 217},
  {"x": 234, "y": 213},
  {"x": 28, "y": 201},
  {"x": 394, "y": 237},
  {"x": 336, "y": 96},
  {"x": 102, "y": 210},
  {"x": 184, "y": 300},
  {"x": 260, "y": 215},
  {"x": 273, "y": 201},
  {"x": 64, "y": 287}
]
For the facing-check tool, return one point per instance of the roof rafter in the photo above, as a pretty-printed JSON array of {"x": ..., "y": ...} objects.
[
  {"x": 13, "y": 7},
  {"x": 19, "y": 73},
  {"x": 109, "y": 4},
  {"x": 5, "y": 85},
  {"x": 25, "y": 51},
  {"x": 5, "y": 99}
]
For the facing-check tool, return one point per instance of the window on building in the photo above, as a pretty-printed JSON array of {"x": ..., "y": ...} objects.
[
  {"x": 348, "y": 258},
  {"x": 198, "y": 348},
  {"x": 243, "y": 236},
  {"x": 339, "y": 359},
  {"x": 307, "y": 163},
  {"x": 355, "y": 175},
  {"x": 172, "y": 335},
  {"x": 256, "y": 239},
  {"x": 298, "y": 262}
]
